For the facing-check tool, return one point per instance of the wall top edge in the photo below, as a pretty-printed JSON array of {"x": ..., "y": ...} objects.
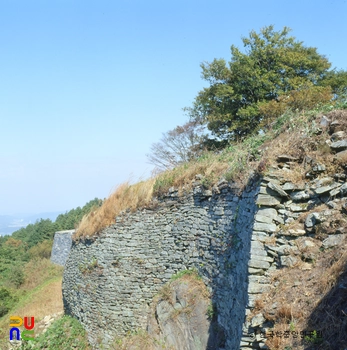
[{"x": 65, "y": 232}]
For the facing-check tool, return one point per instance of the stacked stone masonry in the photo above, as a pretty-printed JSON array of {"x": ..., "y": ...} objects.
[
  {"x": 61, "y": 246},
  {"x": 235, "y": 240},
  {"x": 275, "y": 245},
  {"x": 110, "y": 281}
]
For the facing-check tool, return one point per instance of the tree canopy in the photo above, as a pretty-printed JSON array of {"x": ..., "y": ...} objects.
[{"x": 274, "y": 73}]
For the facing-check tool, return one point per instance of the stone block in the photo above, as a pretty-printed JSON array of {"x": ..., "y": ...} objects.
[
  {"x": 333, "y": 240},
  {"x": 325, "y": 189},
  {"x": 264, "y": 258},
  {"x": 278, "y": 189},
  {"x": 343, "y": 189},
  {"x": 298, "y": 207},
  {"x": 255, "y": 288},
  {"x": 339, "y": 145},
  {"x": 260, "y": 236},
  {"x": 262, "y": 218},
  {"x": 257, "y": 320},
  {"x": 312, "y": 219},
  {"x": 258, "y": 263},
  {"x": 288, "y": 261},
  {"x": 268, "y": 212},
  {"x": 267, "y": 200},
  {"x": 258, "y": 251},
  {"x": 300, "y": 195},
  {"x": 259, "y": 226}
]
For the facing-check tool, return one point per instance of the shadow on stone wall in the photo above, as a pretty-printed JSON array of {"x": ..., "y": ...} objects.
[
  {"x": 230, "y": 285},
  {"x": 329, "y": 319},
  {"x": 109, "y": 281}
]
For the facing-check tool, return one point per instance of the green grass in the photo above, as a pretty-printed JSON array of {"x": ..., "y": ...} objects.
[
  {"x": 65, "y": 333},
  {"x": 26, "y": 297},
  {"x": 182, "y": 273}
]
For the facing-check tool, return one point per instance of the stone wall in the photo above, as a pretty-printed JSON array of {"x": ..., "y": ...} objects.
[
  {"x": 281, "y": 240},
  {"x": 61, "y": 246},
  {"x": 110, "y": 281},
  {"x": 234, "y": 240}
]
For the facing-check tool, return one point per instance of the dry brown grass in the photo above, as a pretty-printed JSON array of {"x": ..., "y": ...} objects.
[
  {"x": 280, "y": 342},
  {"x": 132, "y": 197},
  {"x": 296, "y": 174},
  {"x": 39, "y": 270},
  {"x": 285, "y": 312},
  {"x": 196, "y": 290},
  {"x": 332, "y": 269},
  {"x": 125, "y": 197},
  {"x": 47, "y": 301},
  {"x": 181, "y": 177},
  {"x": 298, "y": 137},
  {"x": 258, "y": 305},
  {"x": 318, "y": 208},
  {"x": 137, "y": 341},
  {"x": 341, "y": 159},
  {"x": 307, "y": 300}
]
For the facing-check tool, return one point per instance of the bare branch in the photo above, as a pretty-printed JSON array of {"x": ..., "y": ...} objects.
[{"x": 180, "y": 145}]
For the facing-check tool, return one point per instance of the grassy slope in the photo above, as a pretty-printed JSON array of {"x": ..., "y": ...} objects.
[
  {"x": 295, "y": 134},
  {"x": 236, "y": 163}
]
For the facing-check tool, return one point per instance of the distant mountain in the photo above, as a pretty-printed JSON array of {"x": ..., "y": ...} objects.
[{"x": 12, "y": 223}]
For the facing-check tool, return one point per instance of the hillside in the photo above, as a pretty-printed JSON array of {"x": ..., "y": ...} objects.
[
  {"x": 30, "y": 284},
  {"x": 238, "y": 240},
  {"x": 295, "y": 253},
  {"x": 292, "y": 247}
]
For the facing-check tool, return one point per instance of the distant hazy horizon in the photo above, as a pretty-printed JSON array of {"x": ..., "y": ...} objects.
[{"x": 14, "y": 222}]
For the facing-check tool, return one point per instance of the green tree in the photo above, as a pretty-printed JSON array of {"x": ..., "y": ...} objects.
[
  {"x": 6, "y": 301},
  {"x": 275, "y": 67}
]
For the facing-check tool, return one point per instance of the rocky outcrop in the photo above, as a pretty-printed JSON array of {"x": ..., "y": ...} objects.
[
  {"x": 293, "y": 224},
  {"x": 183, "y": 317}
]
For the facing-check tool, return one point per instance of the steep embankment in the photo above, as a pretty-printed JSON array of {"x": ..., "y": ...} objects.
[
  {"x": 112, "y": 279},
  {"x": 272, "y": 256}
]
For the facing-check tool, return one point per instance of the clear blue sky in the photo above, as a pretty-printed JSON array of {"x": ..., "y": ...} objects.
[{"x": 87, "y": 86}]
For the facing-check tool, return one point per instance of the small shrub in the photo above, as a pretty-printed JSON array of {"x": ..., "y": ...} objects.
[
  {"x": 44, "y": 269},
  {"x": 163, "y": 182},
  {"x": 211, "y": 311},
  {"x": 41, "y": 250},
  {"x": 16, "y": 276},
  {"x": 182, "y": 273},
  {"x": 88, "y": 267},
  {"x": 7, "y": 301},
  {"x": 313, "y": 338}
]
